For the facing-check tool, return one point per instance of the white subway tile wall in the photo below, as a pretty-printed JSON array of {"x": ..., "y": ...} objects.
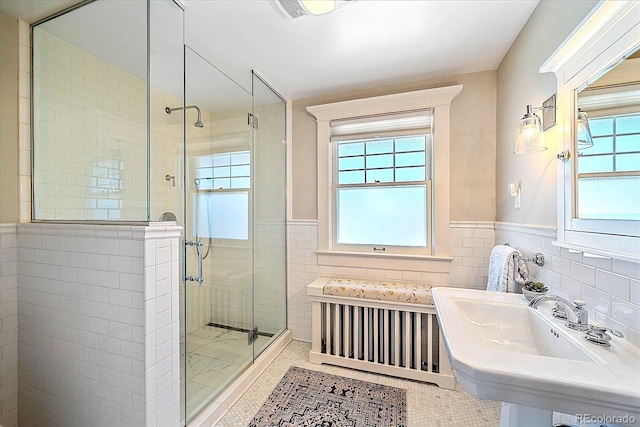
[
  {"x": 91, "y": 160},
  {"x": 162, "y": 326},
  {"x": 8, "y": 326},
  {"x": 83, "y": 326},
  {"x": 609, "y": 286},
  {"x": 24, "y": 119},
  {"x": 471, "y": 244}
]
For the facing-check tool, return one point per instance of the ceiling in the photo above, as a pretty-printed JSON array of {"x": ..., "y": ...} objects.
[{"x": 364, "y": 44}]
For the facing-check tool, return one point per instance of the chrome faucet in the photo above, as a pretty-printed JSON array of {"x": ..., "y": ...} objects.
[{"x": 581, "y": 322}]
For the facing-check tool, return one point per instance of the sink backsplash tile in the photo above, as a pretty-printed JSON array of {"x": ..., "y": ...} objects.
[{"x": 611, "y": 287}]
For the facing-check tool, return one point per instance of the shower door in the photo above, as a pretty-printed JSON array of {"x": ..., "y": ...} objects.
[{"x": 218, "y": 220}]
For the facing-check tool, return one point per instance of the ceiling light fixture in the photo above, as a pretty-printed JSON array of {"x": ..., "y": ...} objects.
[
  {"x": 318, "y": 7},
  {"x": 296, "y": 8}
]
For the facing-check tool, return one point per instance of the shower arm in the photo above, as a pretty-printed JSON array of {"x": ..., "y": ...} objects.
[{"x": 198, "y": 122}]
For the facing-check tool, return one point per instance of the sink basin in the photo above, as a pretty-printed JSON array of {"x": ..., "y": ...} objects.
[{"x": 500, "y": 349}]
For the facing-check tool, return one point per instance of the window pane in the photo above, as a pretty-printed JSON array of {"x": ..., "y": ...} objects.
[
  {"x": 410, "y": 174},
  {"x": 414, "y": 143},
  {"x": 601, "y": 145},
  {"x": 204, "y": 184},
  {"x": 221, "y": 183},
  {"x": 627, "y": 143},
  {"x": 595, "y": 164},
  {"x": 204, "y": 173},
  {"x": 241, "y": 170},
  {"x": 380, "y": 146},
  {"x": 348, "y": 163},
  {"x": 627, "y": 162},
  {"x": 240, "y": 182},
  {"x": 380, "y": 175},
  {"x": 410, "y": 159},
  {"x": 222, "y": 215},
  {"x": 221, "y": 160},
  {"x": 351, "y": 149},
  {"x": 240, "y": 158},
  {"x": 394, "y": 216},
  {"x": 204, "y": 161},
  {"x": 601, "y": 126},
  {"x": 222, "y": 172},
  {"x": 356, "y": 177},
  {"x": 380, "y": 161},
  {"x": 628, "y": 124},
  {"x": 611, "y": 198}
]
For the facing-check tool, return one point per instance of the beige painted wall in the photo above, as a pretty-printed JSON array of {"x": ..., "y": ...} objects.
[
  {"x": 473, "y": 134},
  {"x": 519, "y": 84},
  {"x": 8, "y": 119}
]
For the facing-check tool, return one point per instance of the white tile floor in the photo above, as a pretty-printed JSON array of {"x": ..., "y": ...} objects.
[
  {"x": 427, "y": 405},
  {"x": 215, "y": 357}
]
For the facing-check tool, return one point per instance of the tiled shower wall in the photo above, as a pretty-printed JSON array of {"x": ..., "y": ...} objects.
[
  {"x": 91, "y": 133},
  {"x": 90, "y": 298},
  {"x": 87, "y": 105},
  {"x": 8, "y": 326},
  {"x": 610, "y": 287},
  {"x": 471, "y": 244}
]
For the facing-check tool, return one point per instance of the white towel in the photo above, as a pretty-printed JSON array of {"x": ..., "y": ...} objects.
[{"x": 507, "y": 269}]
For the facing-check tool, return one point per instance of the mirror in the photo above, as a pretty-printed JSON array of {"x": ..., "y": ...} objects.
[{"x": 607, "y": 143}]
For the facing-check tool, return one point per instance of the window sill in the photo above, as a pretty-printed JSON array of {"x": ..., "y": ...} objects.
[{"x": 425, "y": 263}]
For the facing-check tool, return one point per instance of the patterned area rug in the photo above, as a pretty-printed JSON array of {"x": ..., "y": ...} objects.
[{"x": 315, "y": 399}]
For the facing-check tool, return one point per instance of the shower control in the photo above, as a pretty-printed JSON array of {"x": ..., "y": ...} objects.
[{"x": 198, "y": 245}]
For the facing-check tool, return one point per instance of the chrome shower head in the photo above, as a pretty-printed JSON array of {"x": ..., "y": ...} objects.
[{"x": 198, "y": 122}]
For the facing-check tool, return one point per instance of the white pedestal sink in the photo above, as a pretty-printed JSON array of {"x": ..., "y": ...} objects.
[{"x": 500, "y": 349}]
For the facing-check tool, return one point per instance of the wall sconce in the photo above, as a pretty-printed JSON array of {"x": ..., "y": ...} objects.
[
  {"x": 530, "y": 133},
  {"x": 514, "y": 191}
]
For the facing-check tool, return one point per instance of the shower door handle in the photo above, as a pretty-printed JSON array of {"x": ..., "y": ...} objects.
[{"x": 198, "y": 245}]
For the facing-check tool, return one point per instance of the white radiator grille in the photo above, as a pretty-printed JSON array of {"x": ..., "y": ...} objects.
[
  {"x": 391, "y": 338},
  {"x": 388, "y": 337}
]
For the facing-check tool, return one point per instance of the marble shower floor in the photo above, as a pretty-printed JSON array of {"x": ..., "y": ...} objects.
[
  {"x": 215, "y": 357},
  {"x": 427, "y": 404}
]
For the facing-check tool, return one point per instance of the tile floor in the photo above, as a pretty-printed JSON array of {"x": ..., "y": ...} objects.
[
  {"x": 427, "y": 405},
  {"x": 215, "y": 357}
]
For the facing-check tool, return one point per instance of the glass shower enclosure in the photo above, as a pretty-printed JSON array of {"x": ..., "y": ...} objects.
[
  {"x": 132, "y": 126},
  {"x": 234, "y": 214}
]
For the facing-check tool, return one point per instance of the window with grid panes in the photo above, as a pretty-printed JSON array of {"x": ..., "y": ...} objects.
[
  {"x": 609, "y": 172},
  {"x": 383, "y": 194},
  {"x": 221, "y": 200}
]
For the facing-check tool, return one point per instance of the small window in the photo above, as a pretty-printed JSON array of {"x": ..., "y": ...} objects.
[
  {"x": 221, "y": 200},
  {"x": 609, "y": 172},
  {"x": 383, "y": 194}
]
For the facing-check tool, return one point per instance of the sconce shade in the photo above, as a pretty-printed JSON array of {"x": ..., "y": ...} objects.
[
  {"x": 584, "y": 132},
  {"x": 529, "y": 136}
]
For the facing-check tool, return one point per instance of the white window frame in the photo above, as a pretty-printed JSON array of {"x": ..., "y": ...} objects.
[
  {"x": 609, "y": 32},
  {"x": 437, "y": 99}
]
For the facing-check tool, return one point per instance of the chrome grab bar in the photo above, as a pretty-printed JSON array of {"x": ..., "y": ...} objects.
[{"x": 198, "y": 244}]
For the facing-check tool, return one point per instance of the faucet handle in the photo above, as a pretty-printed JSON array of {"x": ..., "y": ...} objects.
[
  {"x": 603, "y": 329},
  {"x": 579, "y": 303},
  {"x": 559, "y": 312}
]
